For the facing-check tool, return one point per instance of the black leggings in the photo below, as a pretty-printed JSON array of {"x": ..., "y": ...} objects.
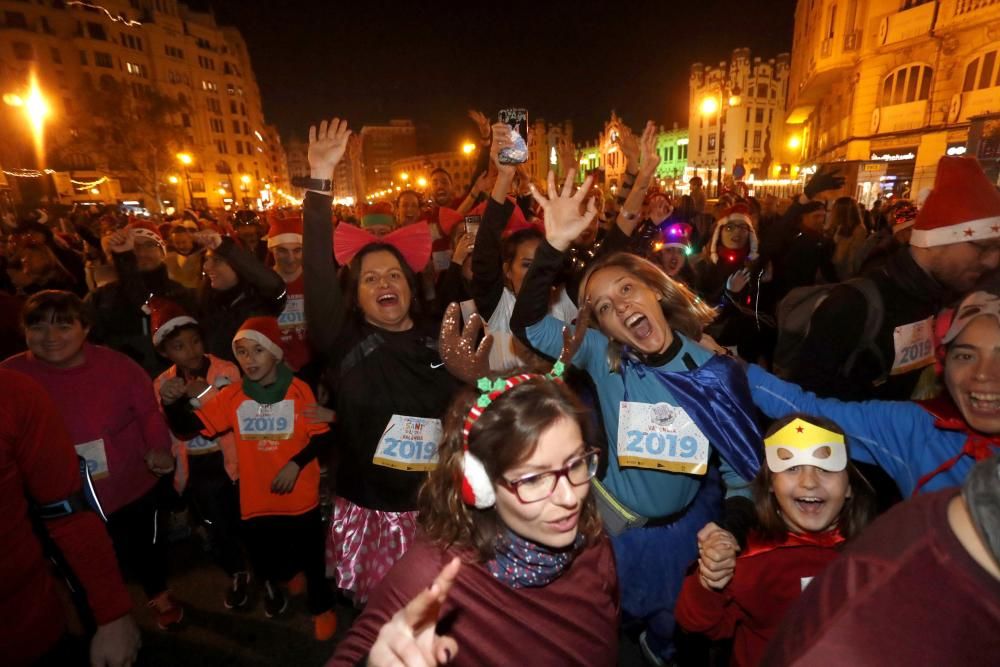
[
  {"x": 215, "y": 499},
  {"x": 135, "y": 532},
  {"x": 281, "y": 546}
]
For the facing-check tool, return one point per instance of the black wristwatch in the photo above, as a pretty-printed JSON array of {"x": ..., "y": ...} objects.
[{"x": 320, "y": 184}]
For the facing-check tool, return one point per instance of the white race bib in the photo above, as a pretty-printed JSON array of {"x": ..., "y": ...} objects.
[
  {"x": 409, "y": 443},
  {"x": 294, "y": 314},
  {"x": 660, "y": 437},
  {"x": 266, "y": 422},
  {"x": 97, "y": 459},
  {"x": 914, "y": 346}
]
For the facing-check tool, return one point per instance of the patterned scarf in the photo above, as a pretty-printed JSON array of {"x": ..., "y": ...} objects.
[{"x": 521, "y": 563}]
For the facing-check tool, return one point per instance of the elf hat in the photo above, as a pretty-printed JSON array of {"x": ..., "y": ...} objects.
[
  {"x": 164, "y": 317},
  {"x": 735, "y": 213},
  {"x": 378, "y": 214},
  {"x": 265, "y": 332},
  {"x": 963, "y": 206},
  {"x": 284, "y": 230}
]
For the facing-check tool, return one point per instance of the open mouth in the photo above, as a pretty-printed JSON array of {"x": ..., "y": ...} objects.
[
  {"x": 985, "y": 402},
  {"x": 810, "y": 504},
  {"x": 388, "y": 299},
  {"x": 639, "y": 325},
  {"x": 566, "y": 523}
]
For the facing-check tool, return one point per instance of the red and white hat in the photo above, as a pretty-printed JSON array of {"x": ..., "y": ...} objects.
[
  {"x": 963, "y": 206},
  {"x": 264, "y": 331},
  {"x": 165, "y": 316},
  {"x": 146, "y": 230},
  {"x": 284, "y": 230},
  {"x": 735, "y": 213}
]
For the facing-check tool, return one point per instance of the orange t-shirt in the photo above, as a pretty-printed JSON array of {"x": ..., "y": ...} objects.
[{"x": 267, "y": 437}]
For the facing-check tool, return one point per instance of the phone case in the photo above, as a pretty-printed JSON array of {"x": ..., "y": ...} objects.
[{"x": 517, "y": 119}]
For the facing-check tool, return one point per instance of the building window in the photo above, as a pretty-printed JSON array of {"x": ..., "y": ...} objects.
[
  {"x": 682, "y": 152},
  {"x": 711, "y": 141},
  {"x": 220, "y": 145},
  {"x": 174, "y": 52},
  {"x": 185, "y": 120},
  {"x": 700, "y": 144},
  {"x": 56, "y": 56},
  {"x": 246, "y": 128},
  {"x": 982, "y": 73},
  {"x": 762, "y": 91},
  {"x": 239, "y": 147},
  {"x": 756, "y": 140},
  {"x": 96, "y": 31},
  {"x": 759, "y": 115},
  {"x": 213, "y": 105},
  {"x": 136, "y": 69},
  {"x": 103, "y": 59},
  {"x": 748, "y": 115},
  {"x": 15, "y": 20},
  {"x": 770, "y": 115},
  {"x": 209, "y": 85},
  {"x": 23, "y": 51},
  {"x": 236, "y": 127},
  {"x": 83, "y": 57},
  {"x": 909, "y": 83}
]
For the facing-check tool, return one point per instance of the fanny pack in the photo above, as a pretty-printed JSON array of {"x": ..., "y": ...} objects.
[{"x": 616, "y": 517}]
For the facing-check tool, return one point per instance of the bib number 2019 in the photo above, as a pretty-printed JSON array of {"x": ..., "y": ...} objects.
[
  {"x": 657, "y": 444},
  {"x": 410, "y": 450}
]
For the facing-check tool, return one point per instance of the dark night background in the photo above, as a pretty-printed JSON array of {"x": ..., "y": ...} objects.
[{"x": 372, "y": 60}]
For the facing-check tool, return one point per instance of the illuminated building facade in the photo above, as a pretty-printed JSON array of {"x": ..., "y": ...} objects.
[{"x": 381, "y": 145}]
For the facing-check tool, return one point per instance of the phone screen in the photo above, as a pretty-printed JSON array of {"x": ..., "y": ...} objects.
[
  {"x": 517, "y": 120},
  {"x": 472, "y": 226}
]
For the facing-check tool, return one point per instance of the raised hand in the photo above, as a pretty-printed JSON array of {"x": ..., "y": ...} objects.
[
  {"x": 629, "y": 144},
  {"x": 501, "y": 140},
  {"x": 565, "y": 215},
  {"x": 823, "y": 181},
  {"x": 326, "y": 147},
  {"x": 481, "y": 121},
  {"x": 717, "y": 549},
  {"x": 459, "y": 352},
  {"x": 409, "y": 638},
  {"x": 649, "y": 159}
]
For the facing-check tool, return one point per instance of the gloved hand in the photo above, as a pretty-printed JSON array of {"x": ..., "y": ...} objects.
[{"x": 823, "y": 181}]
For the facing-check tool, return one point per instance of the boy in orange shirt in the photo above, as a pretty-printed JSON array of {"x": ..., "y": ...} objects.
[{"x": 276, "y": 447}]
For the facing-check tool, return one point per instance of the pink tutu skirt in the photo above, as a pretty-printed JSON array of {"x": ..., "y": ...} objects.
[{"x": 363, "y": 544}]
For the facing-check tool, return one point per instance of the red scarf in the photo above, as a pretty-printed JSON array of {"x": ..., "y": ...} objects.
[
  {"x": 948, "y": 418},
  {"x": 826, "y": 540}
]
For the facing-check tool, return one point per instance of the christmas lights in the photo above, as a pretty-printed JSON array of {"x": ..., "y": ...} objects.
[{"x": 114, "y": 19}]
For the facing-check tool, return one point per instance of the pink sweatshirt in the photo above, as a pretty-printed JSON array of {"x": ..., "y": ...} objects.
[{"x": 112, "y": 417}]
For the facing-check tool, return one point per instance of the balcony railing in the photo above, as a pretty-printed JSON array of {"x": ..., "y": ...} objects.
[{"x": 967, "y": 6}]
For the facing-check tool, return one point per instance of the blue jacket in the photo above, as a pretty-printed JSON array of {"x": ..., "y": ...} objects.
[{"x": 898, "y": 436}]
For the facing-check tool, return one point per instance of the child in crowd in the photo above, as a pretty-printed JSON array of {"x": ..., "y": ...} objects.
[
  {"x": 276, "y": 446},
  {"x": 206, "y": 468},
  {"x": 809, "y": 500}
]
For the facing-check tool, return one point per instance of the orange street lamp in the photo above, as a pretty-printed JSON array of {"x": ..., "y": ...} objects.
[
  {"x": 422, "y": 182},
  {"x": 468, "y": 148}
]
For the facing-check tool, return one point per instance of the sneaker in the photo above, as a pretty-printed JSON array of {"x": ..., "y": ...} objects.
[
  {"x": 275, "y": 600},
  {"x": 325, "y": 625},
  {"x": 238, "y": 595},
  {"x": 168, "y": 613},
  {"x": 297, "y": 584}
]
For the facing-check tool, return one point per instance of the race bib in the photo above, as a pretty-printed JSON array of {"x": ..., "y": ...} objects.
[
  {"x": 199, "y": 444},
  {"x": 660, "y": 437},
  {"x": 914, "y": 346},
  {"x": 294, "y": 314},
  {"x": 266, "y": 422},
  {"x": 95, "y": 456},
  {"x": 409, "y": 443}
]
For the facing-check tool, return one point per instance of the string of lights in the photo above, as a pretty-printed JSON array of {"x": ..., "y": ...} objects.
[
  {"x": 86, "y": 185},
  {"x": 27, "y": 173},
  {"x": 114, "y": 19}
]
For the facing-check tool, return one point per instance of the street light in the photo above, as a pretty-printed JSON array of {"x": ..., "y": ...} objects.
[
  {"x": 404, "y": 177},
  {"x": 711, "y": 105},
  {"x": 794, "y": 141},
  {"x": 173, "y": 179},
  {"x": 468, "y": 147},
  {"x": 422, "y": 182},
  {"x": 187, "y": 160},
  {"x": 36, "y": 110}
]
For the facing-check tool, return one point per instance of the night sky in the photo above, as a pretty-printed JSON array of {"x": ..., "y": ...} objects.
[{"x": 372, "y": 60}]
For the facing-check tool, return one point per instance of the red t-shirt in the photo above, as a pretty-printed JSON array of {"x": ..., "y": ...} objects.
[
  {"x": 267, "y": 437},
  {"x": 293, "y": 326}
]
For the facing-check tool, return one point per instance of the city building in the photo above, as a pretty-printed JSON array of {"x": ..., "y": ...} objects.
[
  {"x": 605, "y": 154},
  {"x": 736, "y": 122},
  {"x": 887, "y": 87},
  {"x": 547, "y": 146},
  {"x": 414, "y": 172},
  {"x": 381, "y": 145},
  {"x": 142, "y": 50}
]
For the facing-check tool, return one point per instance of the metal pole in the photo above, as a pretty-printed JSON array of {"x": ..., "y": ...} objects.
[
  {"x": 187, "y": 178},
  {"x": 718, "y": 172}
]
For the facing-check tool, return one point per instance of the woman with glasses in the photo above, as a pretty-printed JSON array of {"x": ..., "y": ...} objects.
[{"x": 511, "y": 565}]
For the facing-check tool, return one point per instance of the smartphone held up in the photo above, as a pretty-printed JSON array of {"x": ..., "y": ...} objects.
[{"x": 517, "y": 152}]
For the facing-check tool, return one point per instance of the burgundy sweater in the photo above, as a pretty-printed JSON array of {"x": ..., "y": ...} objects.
[
  {"x": 905, "y": 592},
  {"x": 37, "y": 460},
  {"x": 107, "y": 397},
  {"x": 572, "y": 621},
  {"x": 769, "y": 577}
]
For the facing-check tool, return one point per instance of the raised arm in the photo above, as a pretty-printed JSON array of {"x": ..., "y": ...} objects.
[
  {"x": 649, "y": 159},
  {"x": 324, "y": 301}
]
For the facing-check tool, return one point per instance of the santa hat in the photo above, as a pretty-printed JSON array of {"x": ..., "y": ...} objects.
[
  {"x": 735, "y": 213},
  {"x": 145, "y": 230},
  {"x": 165, "y": 316},
  {"x": 187, "y": 224},
  {"x": 284, "y": 230},
  {"x": 903, "y": 216},
  {"x": 677, "y": 235},
  {"x": 264, "y": 331},
  {"x": 963, "y": 206}
]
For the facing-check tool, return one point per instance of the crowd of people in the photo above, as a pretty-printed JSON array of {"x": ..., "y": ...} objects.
[{"x": 515, "y": 422}]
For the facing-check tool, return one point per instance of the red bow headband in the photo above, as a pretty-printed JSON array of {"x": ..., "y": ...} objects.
[{"x": 413, "y": 242}]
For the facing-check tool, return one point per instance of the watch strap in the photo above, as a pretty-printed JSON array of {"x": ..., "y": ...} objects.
[{"x": 320, "y": 184}]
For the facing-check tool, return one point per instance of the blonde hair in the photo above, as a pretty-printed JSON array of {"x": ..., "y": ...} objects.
[{"x": 684, "y": 311}]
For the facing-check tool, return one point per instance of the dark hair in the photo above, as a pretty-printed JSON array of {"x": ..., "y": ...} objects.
[
  {"x": 514, "y": 241},
  {"x": 54, "y": 306},
  {"x": 190, "y": 326},
  {"x": 441, "y": 170},
  {"x": 354, "y": 277},
  {"x": 857, "y": 511},
  {"x": 845, "y": 216},
  {"x": 404, "y": 193},
  {"x": 505, "y": 434}
]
